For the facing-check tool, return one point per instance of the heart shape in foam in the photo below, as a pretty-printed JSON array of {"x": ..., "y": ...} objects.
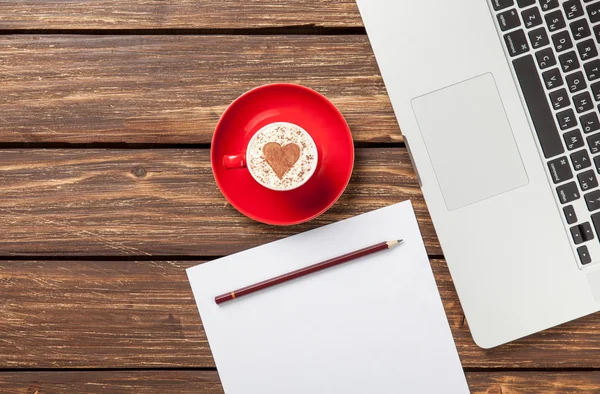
[{"x": 281, "y": 158}]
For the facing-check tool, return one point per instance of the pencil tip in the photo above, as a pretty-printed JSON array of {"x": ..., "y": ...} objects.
[
  {"x": 400, "y": 241},
  {"x": 393, "y": 243}
]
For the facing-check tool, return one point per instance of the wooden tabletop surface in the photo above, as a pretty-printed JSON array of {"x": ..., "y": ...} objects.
[{"x": 106, "y": 195}]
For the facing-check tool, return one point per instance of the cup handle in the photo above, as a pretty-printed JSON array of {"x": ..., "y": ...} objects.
[{"x": 231, "y": 162}]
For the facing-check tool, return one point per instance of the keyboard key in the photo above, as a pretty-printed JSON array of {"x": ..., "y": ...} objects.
[
  {"x": 580, "y": 29},
  {"x": 589, "y": 122},
  {"x": 586, "y": 231},
  {"x": 576, "y": 235},
  {"x": 568, "y": 61},
  {"x": 525, "y": 3},
  {"x": 545, "y": 58},
  {"x": 562, "y": 41},
  {"x": 560, "y": 99},
  {"x": 596, "y": 221},
  {"x": 596, "y": 91},
  {"x": 566, "y": 119},
  {"x": 587, "y": 50},
  {"x": 584, "y": 255},
  {"x": 592, "y": 200},
  {"x": 516, "y": 42},
  {"x": 592, "y": 70},
  {"x": 555, "y": 21},
  {"x": 531, "y": 17},
  {"x": 597, "y": 163},
  {"x": 573, "y": 139},
  {"x": 539, "y": 38},
  {"x": 502, "y": 4},
  {"x": 593, "y": 142},
  {"x": 539, "y": 109},
  {"x": 568, "y": 192},
  {"x": 509, "y": 20},
  {"x": 548, "y": 5},
  {"x": 560, "y": 170},
  {"x": 583, "y": 102},
  {"x": 576, "y": 82},
  {"x": 594, "y": 12},
  {"x": 573, "y": 9},
  {"x": 580, "y": 160},
  {"x": 553, "y": 79},
  {"x": 587, "y": 180},
  {"x": 570, "y": 215},
  {"x": 597, "y": 33}
]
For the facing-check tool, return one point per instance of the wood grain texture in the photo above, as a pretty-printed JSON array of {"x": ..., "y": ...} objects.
[
  {"x": 162, "y": 202},
  {"x": 128, "y": 382},
  {"x": 170, "y": 14},
  {"x": 207, "y": 382},
  {"x": 173, "y": 89},
  {"x": 99, "y": 315},
  {"x": 534, "y": 382},
  {"x": 69, "y": 314}
]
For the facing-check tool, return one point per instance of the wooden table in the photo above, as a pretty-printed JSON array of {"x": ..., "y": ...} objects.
[{"x": 106, "y": 194}]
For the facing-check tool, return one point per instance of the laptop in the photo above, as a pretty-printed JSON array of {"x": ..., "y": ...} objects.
[{"x": 498, "y": 104}]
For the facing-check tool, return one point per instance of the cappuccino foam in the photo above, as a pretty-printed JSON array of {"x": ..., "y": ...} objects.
[{"x": 282, "y": 134}]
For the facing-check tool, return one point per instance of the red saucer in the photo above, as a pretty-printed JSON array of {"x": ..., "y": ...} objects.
[{"x": 305, "y": 108}]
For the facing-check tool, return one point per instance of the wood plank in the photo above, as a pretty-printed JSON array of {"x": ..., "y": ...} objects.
[
  {"x": 173, "y": 89},
  {"x": 207, "y": 382},
  {"x": 127, "y": 382},
  {"x": 170, "y": 14},
  {"x": 534, "y": 382},
  {"x": 162, "y": 202},
  {"x": 69, "y": 314},
  {"x": 99, "y": 315}
]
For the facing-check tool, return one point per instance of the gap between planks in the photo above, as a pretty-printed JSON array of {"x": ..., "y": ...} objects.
[
  {"x": 133, "y": 146},
  {"x": 265, "y": 31}
]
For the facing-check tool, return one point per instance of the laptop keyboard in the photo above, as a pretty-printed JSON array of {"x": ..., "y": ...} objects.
[{"x": 553, "y": 47}]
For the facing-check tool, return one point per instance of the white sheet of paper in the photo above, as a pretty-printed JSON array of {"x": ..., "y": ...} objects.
[{"x": 373, "y": 325}]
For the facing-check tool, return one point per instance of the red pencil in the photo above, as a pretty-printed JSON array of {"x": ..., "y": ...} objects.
[{"x": 305, "y": 271}]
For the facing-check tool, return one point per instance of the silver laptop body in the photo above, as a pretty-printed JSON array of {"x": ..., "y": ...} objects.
[{"x": 500, "y": 113}]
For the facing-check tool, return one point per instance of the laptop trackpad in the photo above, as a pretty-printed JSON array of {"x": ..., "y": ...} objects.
[{"x": 470, "y": 141}]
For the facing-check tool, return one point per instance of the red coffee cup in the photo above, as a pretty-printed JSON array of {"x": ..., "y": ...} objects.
[{"x": 296, "y": 105}]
